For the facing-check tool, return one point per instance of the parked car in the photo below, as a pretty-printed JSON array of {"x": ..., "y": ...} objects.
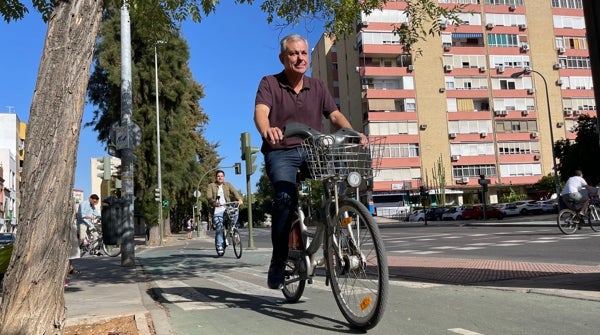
[
  {"x": 527, "y": 207},
  {"x": 476, "y": 213},
  {"x": 6, "y": 246},
  {"x": 435, "y": 213},
  {"x": 417, "y": 215},
  {"x": 509, "y": 209},
  {"x": 454, "y": 213},
  {"x": 549, "y": 206}
]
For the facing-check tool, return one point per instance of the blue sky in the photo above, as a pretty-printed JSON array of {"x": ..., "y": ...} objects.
[{"x": 230, "y": 51}]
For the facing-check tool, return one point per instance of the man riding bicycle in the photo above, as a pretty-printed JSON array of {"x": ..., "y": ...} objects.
[
  {"x": 573, "y": 192},
  {"x": 218, "y": 194}
]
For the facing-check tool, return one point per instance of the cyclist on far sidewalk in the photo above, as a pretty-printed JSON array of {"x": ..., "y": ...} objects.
[
  {"x": 573, "y": 191},
  {"x": 218, "y": 194}
]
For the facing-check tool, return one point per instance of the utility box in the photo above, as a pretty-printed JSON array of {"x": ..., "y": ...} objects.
[{"x": 112, "y": 220}]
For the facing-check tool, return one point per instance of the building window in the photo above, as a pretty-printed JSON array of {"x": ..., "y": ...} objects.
[
  {"x": 520, "y": 170},
  {"x": 503, "y": 40},
  {"x": 516, "y": 126},
  {"x": 518, "y": 148},
  {"x": 460, "y": 171}
]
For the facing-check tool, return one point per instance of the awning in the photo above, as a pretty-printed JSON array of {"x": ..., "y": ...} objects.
[{"x": 465, "y": 35}]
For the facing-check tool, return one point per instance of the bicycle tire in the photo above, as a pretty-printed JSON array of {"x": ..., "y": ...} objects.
[
  {"x": 360, "y": 283},
  {"x": 293, "y": 287},
  {"x": 236, "y": 240},
  {"x": 111, "y": 250},
  {"x": 594, "y": 218},
  {"x": 567, "y": 221}
]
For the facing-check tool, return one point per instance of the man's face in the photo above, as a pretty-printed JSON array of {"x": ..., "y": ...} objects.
[
  {"x": 295, "y": 59},
  {"x": 94, "y": 201},
  {"x": 220, "y": 178}
]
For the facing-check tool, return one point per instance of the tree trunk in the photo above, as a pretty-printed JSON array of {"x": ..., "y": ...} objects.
[{"x": 33, "y": 293}]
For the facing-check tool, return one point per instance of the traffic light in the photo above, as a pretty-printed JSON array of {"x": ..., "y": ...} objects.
[
  {"x": 157, "y": 194},
  {"x": 238, "y": 168},
  {"x": 423, "y": 191},
  {"x": 104, "y": 167},
  {"x": 248, "y": 153},
  {"x": 165, "y": 203}
]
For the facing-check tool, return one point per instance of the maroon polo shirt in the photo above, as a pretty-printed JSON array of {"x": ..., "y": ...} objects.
[{"x": 308, "y": 107}]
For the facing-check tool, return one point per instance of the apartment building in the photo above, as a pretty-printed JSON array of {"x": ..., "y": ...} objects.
[
  {"x": 464, "y": 104},
  {"x": 12, "y": 153}
]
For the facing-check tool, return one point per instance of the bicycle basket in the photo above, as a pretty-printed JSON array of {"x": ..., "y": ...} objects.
[{"x": 333, "y": 158}]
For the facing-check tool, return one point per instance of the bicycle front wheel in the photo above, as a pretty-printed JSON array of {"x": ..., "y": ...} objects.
[
  {"x": 567, "y": 221},
  {"x": 594, "y": 218},
  {"x": 236, "y": 240},
  {"x": 357, "y": 265},
  {"x": 112, "y": 250}
]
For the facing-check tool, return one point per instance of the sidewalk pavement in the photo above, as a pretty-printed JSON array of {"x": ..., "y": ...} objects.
[{"x": 105, "y": 290}]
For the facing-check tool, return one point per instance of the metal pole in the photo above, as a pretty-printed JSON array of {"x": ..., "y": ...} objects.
[
  {"x": 127, "y": 156},
  {"x": 160, "y": 198},
  {"x": 554, "y": 166},
  {"x": 591, "y": 12}
]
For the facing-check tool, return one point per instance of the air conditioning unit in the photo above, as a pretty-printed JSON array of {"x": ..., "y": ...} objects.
[
  {"x": 443, "y": 25},
  {"x": 522, "y": 26},
  {"x": 452, "y": 135},
  {"x": 482, "y": 69},
  {"x": 483, "y": 134},
  {"x": 530, "y": 90},
  {"x": 561, "y": 50},
  {"x": 447, "y": 68},
  {"x": 500, "y": 68},
  {"x": 557, "y": 66},
  {"x": 463, "y": 180},
  {"x": 489, "y": 26},
  {"x": 577, "y": 112},
  {"x": 454, "y": 158},
  {"x": 410, "y": 68},
  {"x": 537, "y": 157},
  {"x": 524, "y": 47},
  {"x": 534, "y": 134},
  {"x": 365, "y": 87},
  {"x": 447, "y": 47},
  {"x": 559, "y": 82},
  {"x": 525, "y": 113},
  {"x": 501, "y": 112},
  {"x": 364, "y": 23},
  {"x": 568, "y": 111},
  {"x": 512, "y": 8}
]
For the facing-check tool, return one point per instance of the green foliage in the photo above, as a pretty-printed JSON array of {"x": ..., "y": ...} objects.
[
  {"x": 582, "y": 154},
  {"x": 546, "y": 184},
  {"x": 512, "y": 196},
  {"x": 181, "y": 118}
]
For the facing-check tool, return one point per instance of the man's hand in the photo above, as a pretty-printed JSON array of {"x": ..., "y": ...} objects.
[{"x": 273, "y": 135}]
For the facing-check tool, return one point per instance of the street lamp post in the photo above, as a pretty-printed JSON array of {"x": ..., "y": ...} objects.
[
  {"x": 158, "y": 163},
  {"x": 529, "y": 70}
]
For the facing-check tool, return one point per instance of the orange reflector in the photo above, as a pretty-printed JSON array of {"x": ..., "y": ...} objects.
[
  {"x": 346, "y": 222},
  {"x": 365, "y": 303}
]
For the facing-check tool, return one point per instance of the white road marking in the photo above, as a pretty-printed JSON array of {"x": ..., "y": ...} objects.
[{"x": 463, "y": 331}]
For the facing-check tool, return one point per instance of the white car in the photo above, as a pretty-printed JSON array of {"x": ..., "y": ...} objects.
[
  {"x": 417, "y": 215},
  {"x": 509, "y": 209},
  {"x": 454, "y": 213},
  {"x": 527, "y": 207},
  {"x": 549, "y": 206}
]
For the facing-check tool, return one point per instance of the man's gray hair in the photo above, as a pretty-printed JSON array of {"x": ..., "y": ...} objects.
[{"x": 290, "y": 38}]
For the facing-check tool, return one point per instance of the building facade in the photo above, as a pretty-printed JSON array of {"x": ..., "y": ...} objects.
[
  {"x": 464, "y": 107},
  {"x": 12, "y": 153}
]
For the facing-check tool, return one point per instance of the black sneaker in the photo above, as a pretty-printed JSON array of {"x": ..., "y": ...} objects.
[{"x": 276, "y": 278}]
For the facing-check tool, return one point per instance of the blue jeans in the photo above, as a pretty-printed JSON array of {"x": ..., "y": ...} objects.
[
  {"x": 219, "y": 220},
  {"x": 282, "y": 168}
]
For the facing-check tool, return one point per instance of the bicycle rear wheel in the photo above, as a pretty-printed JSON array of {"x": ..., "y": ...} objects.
[
  {"x": 236, "y": 240},
  {"x": 293, "y": 287},
  {"x": 594, "y": 218},
  {"x": 357, "y": 265},
  {"x": 567, "y": 221}
]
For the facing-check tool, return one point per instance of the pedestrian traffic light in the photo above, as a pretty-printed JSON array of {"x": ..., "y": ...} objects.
[
  {"x": 248, "y": 153},
  {"x": 238, "y": 168},
  {"x": 104, "y": 167},
  {"x": 157, "y": 194}
]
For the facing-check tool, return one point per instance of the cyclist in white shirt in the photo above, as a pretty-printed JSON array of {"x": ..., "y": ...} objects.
[{"x": 574, "y": 191}]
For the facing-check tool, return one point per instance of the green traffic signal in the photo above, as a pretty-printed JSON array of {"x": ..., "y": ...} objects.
[{"x": 165, "y": 203}]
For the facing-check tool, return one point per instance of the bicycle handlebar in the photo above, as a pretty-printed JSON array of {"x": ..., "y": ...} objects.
[{"x": 297, "y": 129}]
